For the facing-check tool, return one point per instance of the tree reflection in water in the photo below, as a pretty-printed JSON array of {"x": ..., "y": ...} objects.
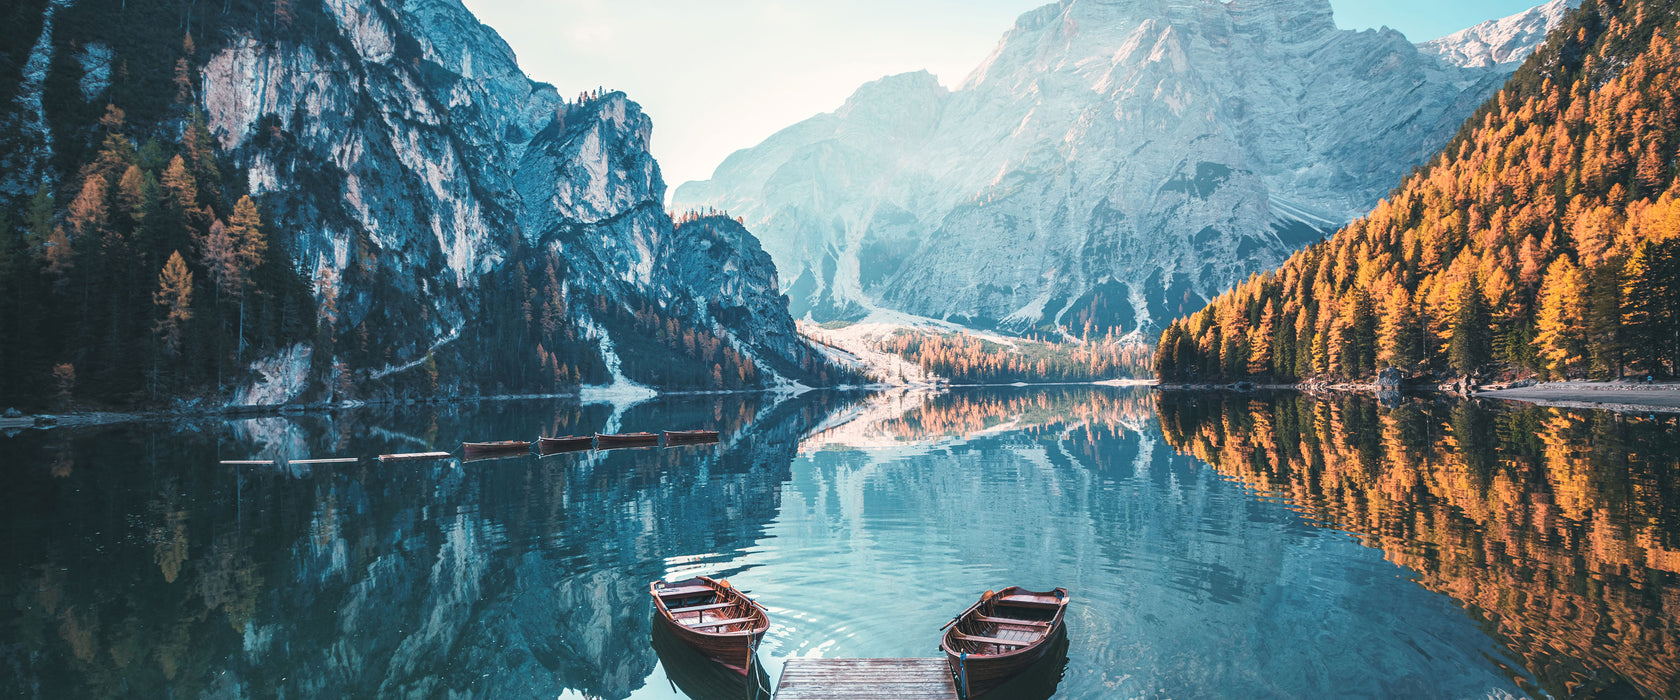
[{"x": 1559, "y": 529}]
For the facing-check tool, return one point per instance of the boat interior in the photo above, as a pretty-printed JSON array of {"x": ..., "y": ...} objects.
[
  {"x": 703, "y": 609},
  {"x": 1006, "y": 623}
]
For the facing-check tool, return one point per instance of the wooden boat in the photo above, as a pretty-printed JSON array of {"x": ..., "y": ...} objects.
[
  {"x": 712, "y": 617},
  {"x": 1002, "y": 635},
  {"x": 473, "y": 449},
  {"x": 570, "y": 443},
  {"x": 608, "y": 441},
  {"x": 701, "y": 678},
  {"x": 689, "y": 437}
]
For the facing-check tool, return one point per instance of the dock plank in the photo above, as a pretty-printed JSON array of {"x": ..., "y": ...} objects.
[{"x": 875, "y": 679}]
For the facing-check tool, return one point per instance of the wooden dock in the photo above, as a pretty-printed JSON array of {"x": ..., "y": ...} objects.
[{"x": 866, "y": 679}]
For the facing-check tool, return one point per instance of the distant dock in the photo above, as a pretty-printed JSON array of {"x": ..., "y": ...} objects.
[{"x": 866, "y": 679}]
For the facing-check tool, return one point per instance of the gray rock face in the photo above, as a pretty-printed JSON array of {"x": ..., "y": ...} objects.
[
  {"x": 410, "y": 158},
  {"x": 1111, "y": 164}
]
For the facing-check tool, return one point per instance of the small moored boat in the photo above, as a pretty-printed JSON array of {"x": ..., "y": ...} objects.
[
  {"x": 1002, "y": 635},
  {"x": 606, "y": 441},
  {"x": 689, "y": 437},
  {"x": 570, "y": 443},
  {"x": 498, "y": 448},
  {"x": 712, "y": 617}
]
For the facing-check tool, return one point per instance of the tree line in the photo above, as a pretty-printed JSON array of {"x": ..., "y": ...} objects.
[
  {"x": 1544, "y": 238},
  {"x": 968, "y": 359},
  {"x": 148, "y": 274}
]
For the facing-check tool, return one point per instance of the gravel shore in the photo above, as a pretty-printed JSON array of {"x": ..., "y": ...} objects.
[{"x": 1615, "y": 396}]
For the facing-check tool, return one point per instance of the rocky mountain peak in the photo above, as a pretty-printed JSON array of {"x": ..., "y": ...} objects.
[
  {"x": 1501, "y": 42},
  {"x": 1138, "y": 157}
]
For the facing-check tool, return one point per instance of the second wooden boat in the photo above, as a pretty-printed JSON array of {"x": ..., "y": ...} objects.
[
  {"x": 611, "y": 440},
  {"x": 499, "y": 448},
  {"x": 570, "y": 443},
  {"x": 689, "y": 437},
  {"x": 711, "y": 617},
  {"x": 1002, "y": 635}
]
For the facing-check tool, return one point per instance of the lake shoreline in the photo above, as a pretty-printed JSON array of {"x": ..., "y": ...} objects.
[
  {"x": 1618, "y": 396},
  {"x": 85, "y": 419}
]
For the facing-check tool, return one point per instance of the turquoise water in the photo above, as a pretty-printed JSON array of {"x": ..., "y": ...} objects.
[{"x": 1204, "y": 559}]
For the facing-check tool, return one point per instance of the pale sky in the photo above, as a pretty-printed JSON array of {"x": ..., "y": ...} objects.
[{"x": 721, "y": 75}]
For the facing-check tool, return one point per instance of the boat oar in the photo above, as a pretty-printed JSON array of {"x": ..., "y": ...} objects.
[{"x": 984, "y": 598}]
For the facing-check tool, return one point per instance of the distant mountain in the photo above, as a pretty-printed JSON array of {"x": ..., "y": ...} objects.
[
  {"x": 1505, "y": 41},
  {"x": 1543, "y": 240},
  {"x": 452, "y": 225},
  {"x": 1110, "y": 166}
]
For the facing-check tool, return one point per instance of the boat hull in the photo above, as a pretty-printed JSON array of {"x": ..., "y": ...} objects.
[
  {"x": 1002, "y": 636},
  {"x": 730, "y": 645},
  {"x": 984, "y": 674},
  {"x": 702, "y": 678},
  {"x": 689, "y": 437},
  {"x": 487, "y": 450},
  {"x": 605, "y": 441},
  {"x": 550, "y": 446},
  {"x": 732, "y": 650}
]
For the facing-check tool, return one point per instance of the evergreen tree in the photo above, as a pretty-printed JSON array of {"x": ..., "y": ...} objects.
[
  {"x": 1469, "y": 348},
  {"x": 1604, "y": 319}
]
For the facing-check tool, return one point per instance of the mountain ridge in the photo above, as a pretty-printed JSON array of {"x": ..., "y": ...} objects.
[{"x": 1138, "y": 160}]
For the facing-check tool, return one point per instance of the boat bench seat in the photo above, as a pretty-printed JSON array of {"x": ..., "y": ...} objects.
[
  {"x": 1010, "y": 621},
  {"x": 993, "y": 640},
  {"x": 718, "y": 623},
  {"x": 1032, "y": 601},
  {"x": 683, "y": 591},
  {"x": 698, "y": 608}
]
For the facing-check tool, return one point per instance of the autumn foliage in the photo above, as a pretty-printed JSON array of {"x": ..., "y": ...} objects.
[
  {"x": 1544, "y": 238},
  {"x": 968, "y": 359}
]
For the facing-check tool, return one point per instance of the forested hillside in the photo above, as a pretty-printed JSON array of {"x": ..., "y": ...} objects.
[
  {"x": 155, "y": 275},
  {"x": 1544, "y": 238},
  {"x": 261, "y": 202}
]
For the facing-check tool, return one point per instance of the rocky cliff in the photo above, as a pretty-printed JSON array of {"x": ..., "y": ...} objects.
[
  {"x": 1109, "y": 166},
  {"x": 462, "y": 226}
]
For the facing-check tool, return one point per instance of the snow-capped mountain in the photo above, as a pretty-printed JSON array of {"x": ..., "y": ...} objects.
[
  {"x": 445, "y": 207},
  {"x": 1506, "y": 41},
  {"x": 1112, "y": 163}
]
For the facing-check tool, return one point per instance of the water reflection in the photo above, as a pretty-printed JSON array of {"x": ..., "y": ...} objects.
[
  {"x": 149, "y": 570},
  {"x": 134, "y": 565},
  {"x": 1558, "y": 528},
  {"x": 701, "y": 678}
]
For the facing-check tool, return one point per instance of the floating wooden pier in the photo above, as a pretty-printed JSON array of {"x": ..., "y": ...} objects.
[
  {"x": 248, "y": 462},
  {"x": 415, "y": 456},
  {"x": 866, "y": 679}
]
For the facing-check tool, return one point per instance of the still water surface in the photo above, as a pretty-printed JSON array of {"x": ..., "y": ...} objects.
[{"x": 1216, "y": 546}]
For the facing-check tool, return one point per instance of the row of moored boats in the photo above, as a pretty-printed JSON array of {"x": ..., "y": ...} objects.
[
  {"x": 996, "y": 638},
  {"x": 597, "y": 441}
]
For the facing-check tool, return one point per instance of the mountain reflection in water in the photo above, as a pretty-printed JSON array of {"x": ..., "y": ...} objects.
[{"x": 1495, "y": 550}]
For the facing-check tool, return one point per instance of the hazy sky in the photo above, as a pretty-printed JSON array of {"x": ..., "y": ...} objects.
[{"x": 721, "y": 75}]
